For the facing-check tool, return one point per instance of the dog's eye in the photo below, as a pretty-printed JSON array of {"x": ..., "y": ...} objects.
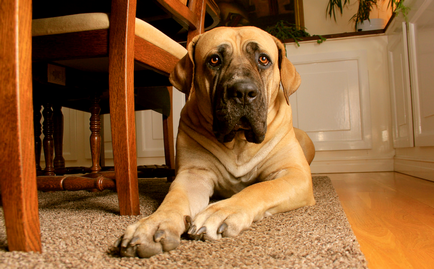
[
  {"x": 263, "y": 60},
  {"x": 215, "y": 61}
]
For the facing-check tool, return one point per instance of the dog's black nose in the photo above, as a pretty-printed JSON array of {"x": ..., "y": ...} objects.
[{"x": 243, "y": 92}]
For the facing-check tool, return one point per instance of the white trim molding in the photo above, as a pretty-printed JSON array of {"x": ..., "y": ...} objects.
[
  {"x": 352, "y": 166},
  {"x": 418, "y": 168}
]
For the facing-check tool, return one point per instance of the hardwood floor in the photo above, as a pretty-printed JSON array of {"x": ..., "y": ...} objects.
[{"x": 392, "y": 216}]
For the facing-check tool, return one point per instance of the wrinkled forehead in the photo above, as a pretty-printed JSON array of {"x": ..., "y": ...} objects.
[{"x": 233, "y": 38}]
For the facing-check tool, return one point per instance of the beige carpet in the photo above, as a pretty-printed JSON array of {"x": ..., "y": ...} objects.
[{"x": 79, "y": 228}]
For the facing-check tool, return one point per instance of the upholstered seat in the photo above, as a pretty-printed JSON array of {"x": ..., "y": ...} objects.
[{"x": 98, "y": 21}]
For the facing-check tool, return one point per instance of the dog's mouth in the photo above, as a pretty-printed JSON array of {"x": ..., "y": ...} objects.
[
  {"x": 254, "y": 132},
  {"x": 242, "y": 124}
]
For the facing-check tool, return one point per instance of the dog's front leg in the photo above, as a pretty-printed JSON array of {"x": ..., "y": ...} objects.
[
  {"x": 227, "y": 218},
  {"x": 161, "y": 231}
]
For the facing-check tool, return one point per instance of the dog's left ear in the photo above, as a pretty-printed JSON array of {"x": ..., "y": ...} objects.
[
  {"x": 183, "y": 75},
  {"x": 289, "y": 77}
]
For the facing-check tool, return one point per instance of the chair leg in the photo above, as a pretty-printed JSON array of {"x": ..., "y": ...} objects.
[
  {"x": 102, "y": 150},
  {"x": 17, "y": 161},
  {"x": 37, "y": 131},
  {"x": 59, "y": 161},
  {"x": 95, "y": 137},
  {"x": 48, "y": 140},
  {"x": 169, "y": 149},
  {"x": 121, "y": 95}
]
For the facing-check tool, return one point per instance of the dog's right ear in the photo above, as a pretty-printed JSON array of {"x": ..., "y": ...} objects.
[{"x": 182, "y": 76}]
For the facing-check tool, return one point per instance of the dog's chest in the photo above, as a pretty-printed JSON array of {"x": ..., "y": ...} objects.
[
  {"x": 247, "y": 177},
  {"x": 232, "y": 183}
]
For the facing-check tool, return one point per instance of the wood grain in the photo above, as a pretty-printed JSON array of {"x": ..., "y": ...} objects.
[
  {"x": 121, "y": 91},
  {"x": 71, "y": 46},
  {"x": 181, "y": 13},
  {"x": 199, "y": 9},
  {"x": 95, "y": 137},
  {"x": 75, "y": 183},
  {"x": 392, "y": 216},
  {"x": 154, "y": 57},
  {"x": 17, "y": 151},
  {"x": 48, "y": 130}
]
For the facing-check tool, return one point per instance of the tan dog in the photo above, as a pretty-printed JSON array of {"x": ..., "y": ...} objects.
[{"x": 235, "y": 140}]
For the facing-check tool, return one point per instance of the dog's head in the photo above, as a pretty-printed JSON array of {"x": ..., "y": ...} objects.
[{"x": 235, "y": 74}]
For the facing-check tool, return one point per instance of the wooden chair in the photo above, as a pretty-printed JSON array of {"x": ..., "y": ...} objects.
[
  {"x": 123, "y": 47},
  {"x": 110, "y": 38}
]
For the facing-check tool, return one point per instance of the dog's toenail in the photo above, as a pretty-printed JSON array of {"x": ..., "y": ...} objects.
[
  {"x": 201, "y": 231},
  {"x": 192, "y": 229},
  {"x": 159, "y": 235},
  {"x": 135, "y": 241},
  {"x": 222, "y": 228}
]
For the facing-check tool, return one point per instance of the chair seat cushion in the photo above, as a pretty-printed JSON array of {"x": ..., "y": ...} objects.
[{"x": 97, "y": 21}]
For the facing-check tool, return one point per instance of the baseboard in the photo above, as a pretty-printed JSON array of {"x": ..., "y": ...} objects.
[
  {"x": 352, "y": 166},
  {"x": 417, "y": 168}
]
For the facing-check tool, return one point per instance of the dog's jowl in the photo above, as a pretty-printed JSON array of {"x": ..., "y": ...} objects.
[{"x": 235, "y": 140}]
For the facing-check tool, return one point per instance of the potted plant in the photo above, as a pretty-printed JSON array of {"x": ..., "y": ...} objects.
[
  {"x": 361, "y": 18},
  {"x": 284, "y": 30}
]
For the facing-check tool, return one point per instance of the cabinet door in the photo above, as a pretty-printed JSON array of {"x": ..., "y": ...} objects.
[
  {"x": 332, "y": 104},
  {"x": 400, "y": 88},
  {"x": 421, "y": 53}
]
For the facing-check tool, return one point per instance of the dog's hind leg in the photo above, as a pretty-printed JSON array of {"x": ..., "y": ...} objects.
[{"x": 306, "y": 144}]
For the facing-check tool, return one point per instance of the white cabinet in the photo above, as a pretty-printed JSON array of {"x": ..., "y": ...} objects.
[
  {"x": 399, "y": 75},
  {"x": 411, "y": 70},
  {"x": 328, "y": 105},
  {"x": 413, "y": 102},
  {"x": 343, "y": 103},
  {"x": 421, "y": 51}
]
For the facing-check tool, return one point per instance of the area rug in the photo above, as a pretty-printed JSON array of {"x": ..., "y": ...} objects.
[{"x": 78, "y": 230}]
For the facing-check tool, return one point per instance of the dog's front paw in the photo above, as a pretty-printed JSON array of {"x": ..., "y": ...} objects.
[
  {"x": 225, "y": 218},
  {"x": 153, "y": 235}
]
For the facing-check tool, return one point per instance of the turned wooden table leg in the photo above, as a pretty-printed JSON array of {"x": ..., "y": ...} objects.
[
  {"x": 37, "y": 125},
  {"x": 48, "y": 140},
  {"x": 59, "y": 161},
  {"x": 95, "y": 137}
]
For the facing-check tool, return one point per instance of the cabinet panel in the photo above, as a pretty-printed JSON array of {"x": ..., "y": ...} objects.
[
  {"x": 70, "y": 134},
  {"x": 421, "y": 51},
  {"x": 332, "y": 104},
  {"x": 400, "y": 88}
]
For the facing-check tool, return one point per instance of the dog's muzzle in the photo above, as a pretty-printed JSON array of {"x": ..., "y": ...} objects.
[{"x": 240, "y": 106}]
